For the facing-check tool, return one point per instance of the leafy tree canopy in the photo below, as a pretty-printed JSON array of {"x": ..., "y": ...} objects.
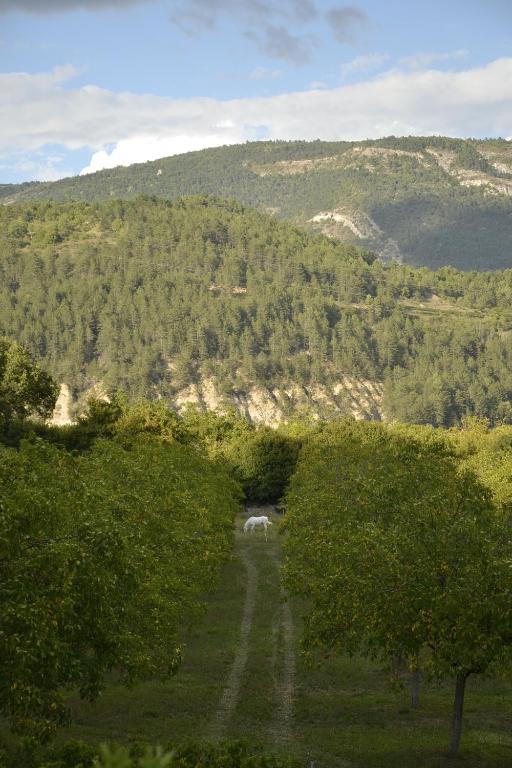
[
  {"x": 25, "y": 388},
  {"x": 104, "y": 557},
  {"x": 400, "y": 550}
]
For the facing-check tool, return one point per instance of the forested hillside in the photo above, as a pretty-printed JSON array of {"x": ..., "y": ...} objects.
[
  {"x": 430, "y": 201},
  {"x": 171, "y": 299}
]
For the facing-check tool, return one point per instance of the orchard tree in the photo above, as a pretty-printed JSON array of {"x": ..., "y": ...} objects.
[
  {"x": 408, "y": 556},
  {"x": 262, "y": 461},
  {"x": 129, "y": 421},
  {"x": 103, "y": 557},
  {"x": 488, "y": 453},
  {"x": 260, "y": 458},
  {"x": 434, "y": 585},
  {"x": 25, "y": 389}
]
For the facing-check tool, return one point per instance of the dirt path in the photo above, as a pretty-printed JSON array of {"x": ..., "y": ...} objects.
[
  {"x": 285, "y": 678},
  {"x": 231, "y": 692},
  {"x": 262, "y": 561}
]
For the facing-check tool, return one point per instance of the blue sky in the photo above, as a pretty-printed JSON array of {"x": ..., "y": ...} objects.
[{"x": 86, "y": 84}]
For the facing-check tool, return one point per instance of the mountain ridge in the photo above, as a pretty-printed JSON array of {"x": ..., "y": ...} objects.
[{"x": 431, "y": 201}]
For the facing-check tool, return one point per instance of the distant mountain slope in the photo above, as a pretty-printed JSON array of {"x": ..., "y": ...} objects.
[
  {"x": 9, "y": 193},
  {"x": 426, "y": 201},
  {"x": 204, "y": 301}
]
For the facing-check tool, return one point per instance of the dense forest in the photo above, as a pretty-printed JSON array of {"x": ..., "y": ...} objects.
[
  {"x": 429, "y": 201},
  {"x": 147, "y": 295}
]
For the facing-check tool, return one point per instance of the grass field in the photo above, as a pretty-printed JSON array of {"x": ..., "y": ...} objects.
[{"x": 242, "y": 677}]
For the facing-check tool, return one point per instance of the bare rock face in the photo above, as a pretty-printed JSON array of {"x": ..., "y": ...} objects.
[
  {"x": 350, "y": 396},
  {"x": 295, "y": 167},
  {"x": 492, "y": 183},
  {"x": 61, "y": 413},
  {"x": 188, "y": 397},
  {"x": 273, "y": 405},
  {"x": 365, "y": 397},
  {"x": 338, "y": 222}
]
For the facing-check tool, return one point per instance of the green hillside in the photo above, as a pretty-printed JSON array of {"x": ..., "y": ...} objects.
[
  {"x": 155, "y": 297},
  {"x": 8, "y": 192},
  {"x": 426, "y": 201}
]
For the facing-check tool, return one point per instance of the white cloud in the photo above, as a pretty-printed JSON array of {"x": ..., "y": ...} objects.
[
  {"x": 363, "y": 64},
  {"x": 38, "y": 166},
  {"x": 144, "y": 148},
  {"x": 263, "y": 73},
  {"x": 425, "y": 59},
  {"x": 39, "y": 111},
  {"x": 49, "y": 171}
]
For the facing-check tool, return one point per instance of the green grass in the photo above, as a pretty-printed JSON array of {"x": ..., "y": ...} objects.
[
  {"x": 346, "y": 712},
  {"x": 350, "y": 712},
  {"x": 176, "y": 709}
]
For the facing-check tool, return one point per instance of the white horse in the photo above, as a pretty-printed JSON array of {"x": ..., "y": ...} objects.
[{"x": 252, "y": 522}]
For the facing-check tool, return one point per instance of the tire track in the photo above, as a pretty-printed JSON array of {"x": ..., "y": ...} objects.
[
  {"x": 285, "y": 677},
  {"x": 231, "y": 693}
]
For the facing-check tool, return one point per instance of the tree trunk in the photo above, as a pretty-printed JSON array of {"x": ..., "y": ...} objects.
[
  {"x": 415, "y": 687},
  {"x": 397, "y": 664},
  {"x": 460, "y": 687}
]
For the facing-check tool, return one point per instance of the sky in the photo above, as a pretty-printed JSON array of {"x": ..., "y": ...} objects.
[{"x": 92, "y": 84}]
